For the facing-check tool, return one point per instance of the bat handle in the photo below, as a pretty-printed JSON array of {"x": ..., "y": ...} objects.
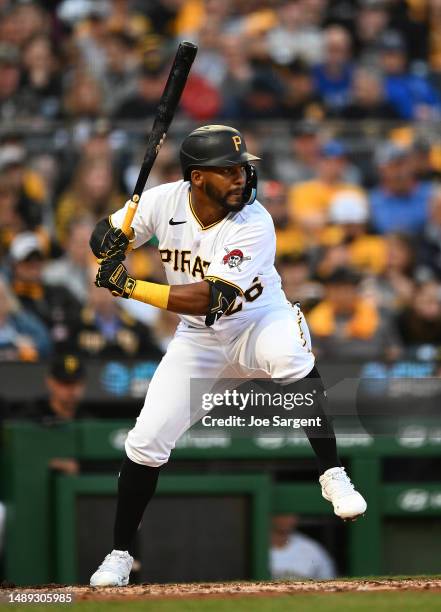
[
  {"x": 128, "y": 218},
  {"x": 130, "y": 213}
]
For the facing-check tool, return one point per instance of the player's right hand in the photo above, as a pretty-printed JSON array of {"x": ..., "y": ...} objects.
[
  {"x": 113, "y": 275},
  {"x": 114, "y": 244}
]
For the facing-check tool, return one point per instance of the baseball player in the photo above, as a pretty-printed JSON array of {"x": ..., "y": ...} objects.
[{"x": 217, "y": 245}]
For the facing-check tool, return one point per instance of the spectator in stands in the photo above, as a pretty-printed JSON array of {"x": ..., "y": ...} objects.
[
  {"x": 30, "y": 19},
  {"x": 333, "y": 77},
  {"x": 368, "y": 97},
  {"x": 90, "y": 34},
  {"x": 393, "y": 289},
  {"x": 26, "y": 184},
  {"x": 97, "y": 145},
  {"x": 420, "y": 322},
  {"x": 295, "y": 36},
  {"x": 309, "y": 201},
  {"x": 295, "y": 271},
  {"x": 23, "y": 193},
  {"x": 83, "y": 98},
  {"x": 9, "y": 82},
  {"x": 22, "y": 336},
  {"x": 105, "y": 330},
  {"x": 144, "y": 101},
  {"x": 92, "y": 192},
  {"x": 237, "y": 74},
  {"x": 133, "y": 19},
  {"x": 262, "y": 98},
  {"x": 371, "y": 20},
  {"x": 120, "y": 72},
  {"x": 348, "y": 240},
  {"x": 296, "y": 555},
  {"x": 201, "y": 100},
  {"x": 424, "y": 159},
  {"x": 73, "y": 270},
  {"x": 413, "y": 20},
  {"x": 9, "y": 26},
  {"x": 412, "y": 95},
  {"x": 300, "y": 163},
  {"x": 41, "y": 85},
  {"x": 164, "y": 163},
  {"x": 400, "y": 202},
  {"x": 433, "y": 38},
  {"x": 53, "y": 305},
  {"x": 10, "y": 221},
  {"x": 429, "y": 251},
  {"x": 300, "y": 99},
  {"x": 210, "y": 62},
  {"x": 93, "y": 145},
  {"x": 273, "y": 195},
  {"x": 347, "y": 326}
]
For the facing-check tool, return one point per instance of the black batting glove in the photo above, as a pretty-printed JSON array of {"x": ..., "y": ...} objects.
[
  {"x": 113, "y": 275},
  {"x": 114, "y": 244}
]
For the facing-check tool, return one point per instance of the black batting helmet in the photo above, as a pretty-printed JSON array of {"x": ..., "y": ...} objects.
[
  {"x": 213, "y": 145},
  {"x": 219, "y": 145}
]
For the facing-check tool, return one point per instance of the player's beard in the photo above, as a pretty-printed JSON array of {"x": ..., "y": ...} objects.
[{"x": 215, "y": 195}]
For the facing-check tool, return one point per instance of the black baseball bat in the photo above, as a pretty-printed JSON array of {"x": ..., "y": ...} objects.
[{"x": 164, "y": 115}]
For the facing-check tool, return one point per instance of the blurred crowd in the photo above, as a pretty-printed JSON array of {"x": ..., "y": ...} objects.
[
  {"x": 342, "y": 102},
  {"x": 258, "y": 59}
]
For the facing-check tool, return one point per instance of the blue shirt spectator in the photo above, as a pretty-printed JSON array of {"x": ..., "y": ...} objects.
[
  {"x": 405, "y": 212},
  {"x": 333, "y": 77},
  {"x": 334, "y": 89},
  {"x": 22, "y": 336},
  {"x": 400, "y": 202},
  {"x": 409, "y": 93},
  {"x": 412, "y": 96}
]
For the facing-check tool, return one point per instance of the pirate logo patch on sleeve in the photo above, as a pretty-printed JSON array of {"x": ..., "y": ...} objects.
[{"x": 234, "y": 258}]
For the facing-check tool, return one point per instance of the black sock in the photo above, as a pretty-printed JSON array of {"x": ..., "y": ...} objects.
[
  {"x": 136, "y": 486},
  {"x": 321, "y": 438}
]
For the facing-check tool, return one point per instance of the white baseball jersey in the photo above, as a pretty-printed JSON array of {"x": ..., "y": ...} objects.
[
  {"x": 239, "y": 249},
  {"x": 260, "y": 334}
]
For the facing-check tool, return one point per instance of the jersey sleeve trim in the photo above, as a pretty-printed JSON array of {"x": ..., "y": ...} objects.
[{"x": 219, "y": 278}]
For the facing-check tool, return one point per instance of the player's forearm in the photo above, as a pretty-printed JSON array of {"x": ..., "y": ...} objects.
[{"x": 192, "y": 299}]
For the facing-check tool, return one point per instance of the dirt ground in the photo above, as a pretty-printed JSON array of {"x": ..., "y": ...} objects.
[{"x": 172, "y": 591}]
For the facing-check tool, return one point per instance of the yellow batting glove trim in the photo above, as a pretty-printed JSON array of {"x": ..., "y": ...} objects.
[{"x": 151, "y": 293}]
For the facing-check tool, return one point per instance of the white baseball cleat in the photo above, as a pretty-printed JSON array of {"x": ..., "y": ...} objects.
[
  {"x": 338, "y": 489},
  {"x": 114, "y": 570}
]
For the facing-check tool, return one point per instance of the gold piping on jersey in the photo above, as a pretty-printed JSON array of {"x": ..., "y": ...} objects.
[
  {"x": 224, "y": 281},
  {"x": 199, "y": 222}
]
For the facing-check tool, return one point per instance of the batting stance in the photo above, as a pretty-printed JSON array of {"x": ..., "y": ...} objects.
[{"x": 217, "y": 245}]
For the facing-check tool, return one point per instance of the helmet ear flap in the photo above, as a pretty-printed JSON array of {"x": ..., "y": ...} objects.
[{"x": 250, "y": 191}]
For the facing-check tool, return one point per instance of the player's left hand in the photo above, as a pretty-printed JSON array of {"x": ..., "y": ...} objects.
[
  {"x": 113, "y": 275},
  {"x": 114, "y": 244}
]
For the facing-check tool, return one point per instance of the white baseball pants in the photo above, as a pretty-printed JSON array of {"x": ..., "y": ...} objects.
[{"x": 277, "y": 345}]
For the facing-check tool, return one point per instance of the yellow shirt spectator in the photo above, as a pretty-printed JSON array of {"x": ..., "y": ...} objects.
[
  {"x": 309, "y": 201},
  {"x": 349, "y": 214}
]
